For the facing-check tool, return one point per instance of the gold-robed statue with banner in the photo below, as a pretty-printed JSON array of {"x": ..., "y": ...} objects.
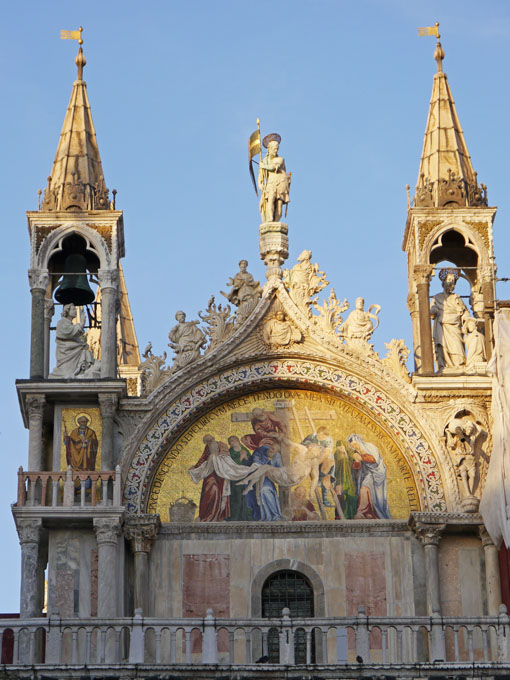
[{"x": 273, "y": 180}]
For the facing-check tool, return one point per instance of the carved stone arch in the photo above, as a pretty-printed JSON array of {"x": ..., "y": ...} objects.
[
  {"x": 53, "y": 243},
  {"x": 480, "y": 245},
  {"x": 292, "y": 565},
  {"x": 402, "y": 422}
]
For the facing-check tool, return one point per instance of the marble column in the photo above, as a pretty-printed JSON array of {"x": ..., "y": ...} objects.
[
  {"x": 38, "y": 281},
  {"x": 141, "y": 531},
  {"x": 107, "y": 535},
  {"x": 29, "y": 533},
  {"x": 109, "y": 283},
  {"x": 492, "y": 577},
  {"x": 108, "y": 406},
  {"x": 423, "y": 274},
  {"x": 487, "y": 279},
  {"x": 35, "y": 404},
  {"x": 429, "y": 536},
  {"x": 49, "y": 311}
]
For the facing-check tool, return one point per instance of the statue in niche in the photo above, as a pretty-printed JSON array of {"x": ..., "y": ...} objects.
[
  {"x": 74, "y": 358},
  {"x": 475, "y": 343},
  {"x": 303, "y": 281},
  {"x": 357, "y": 329},
  {"x": 449, "y": 313},
  {"x": 464, "y": 439},
  {"x": 280, "y": 332},
  {"x": 186, "y": 339},
  {"x": 245, "y": 292},
  {"x": 273, "y": 181}
]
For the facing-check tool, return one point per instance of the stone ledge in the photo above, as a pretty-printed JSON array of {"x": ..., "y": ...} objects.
[
  {"x": 257, "y": 530},
  {"x": 85, "y": 390},
  {"x": 452, "y": 382},
  {"x": 67, "y": 517}
]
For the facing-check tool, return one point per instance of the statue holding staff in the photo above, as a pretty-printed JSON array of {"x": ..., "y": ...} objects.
[{"x": 273, "y": 180}]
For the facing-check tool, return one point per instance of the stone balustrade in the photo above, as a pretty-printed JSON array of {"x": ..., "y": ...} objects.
[
  {"x": 67, "y": 488},
  {"x": 383, "y": 642}
]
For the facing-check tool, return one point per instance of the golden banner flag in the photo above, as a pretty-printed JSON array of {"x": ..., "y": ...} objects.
[
  {"x": 71, "y": 35},
  {"x": 429, "y": 30},
  {"x": 254, "y": 145}
]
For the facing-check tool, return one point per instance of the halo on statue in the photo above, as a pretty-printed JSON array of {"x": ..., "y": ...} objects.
[
  {"x": 82, "y": 415},
  {"x": 445, "y": 272},
  {"x": 273, "y": 137}
]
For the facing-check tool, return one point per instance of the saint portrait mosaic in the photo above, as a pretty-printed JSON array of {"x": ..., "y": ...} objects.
[
  {"x": 279, "y": 455},
  {"x": 80, "y": 445}
]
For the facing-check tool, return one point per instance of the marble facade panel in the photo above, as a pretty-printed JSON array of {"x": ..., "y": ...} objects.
[{"x": 373, "y": 571}]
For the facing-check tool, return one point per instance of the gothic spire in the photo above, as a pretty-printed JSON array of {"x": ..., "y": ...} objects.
[
  {"x": 76, "y": 181},
  {"x": 446, "y": 177}
]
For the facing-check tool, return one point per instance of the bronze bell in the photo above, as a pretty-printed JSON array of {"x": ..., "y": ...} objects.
[{"x": 74, "y": 286}]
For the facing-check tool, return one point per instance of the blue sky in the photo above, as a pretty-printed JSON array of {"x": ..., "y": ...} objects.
[{"x": 175, "y": 90}]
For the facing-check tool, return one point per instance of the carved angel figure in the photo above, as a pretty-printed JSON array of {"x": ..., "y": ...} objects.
[
  {"x": 357, "y": 329},
  {"x": 186, "y": 339},
  {"x": 304, "y": 280},
  {"x": 245, "y": 292},
  {"x": 464, "y": 438}
]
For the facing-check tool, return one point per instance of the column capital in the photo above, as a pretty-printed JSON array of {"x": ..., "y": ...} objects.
[
  {"x": 423, "y": 273},
  {"x": 428, "y": 534},
  {"x": 29, "y": 530},
  {"x": 108, "y": 278},
  {"x": 107, "y": 531},
  {"x": 35, "y": 404},
  {"x": 38, "y": 279},
  {"x": 485, "y": 537},
  {"x": 108, "y": 404},
  {"x": 141, "y": 531}
]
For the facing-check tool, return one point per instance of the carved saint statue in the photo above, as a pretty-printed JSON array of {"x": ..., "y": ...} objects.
[
  {"x": 449, "y": 314},
  {"x": 475, "y": 343},
  {"x": 74, "y": 358},
  {"x": 464, "y": 439},
  {"x": 273, "y": 181},
  {"x": 357, "y": 329},
  {"x": 245, "y": 292},
  {"x": 304, "y": 280},
  {"x": 186, "y": 339},
  {"x": 280, "y": 332}
]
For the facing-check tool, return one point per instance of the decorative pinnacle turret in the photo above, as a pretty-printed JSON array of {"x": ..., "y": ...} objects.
[
  {"x": 76, "y": 181},
  {"x": 446, "y": 177}
]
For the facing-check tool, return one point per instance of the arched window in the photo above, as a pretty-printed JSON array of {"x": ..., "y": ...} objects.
[{"x": 290, "y": 589}]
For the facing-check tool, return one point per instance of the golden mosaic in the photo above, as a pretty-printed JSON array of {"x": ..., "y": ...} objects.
[{"x": 284, "y": 455}]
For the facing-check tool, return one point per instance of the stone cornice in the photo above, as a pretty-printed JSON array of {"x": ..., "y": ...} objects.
[
  {"x": 85, "y": 390},
  {"x": 285, "y": 529}
]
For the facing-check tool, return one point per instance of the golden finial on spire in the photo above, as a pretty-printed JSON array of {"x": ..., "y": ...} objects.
[
  {"x": 438, "y": 52},
  {"x": 80, "y": 60}
]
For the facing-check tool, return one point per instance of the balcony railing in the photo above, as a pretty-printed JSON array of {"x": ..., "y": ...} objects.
[
  {"x": 361, "y": 640},
  {"x": 67, "y": 488}
]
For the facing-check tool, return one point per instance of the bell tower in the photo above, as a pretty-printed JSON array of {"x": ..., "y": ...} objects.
[
  {"x": 449, "y": 222},
  {"x": 69, "y": 499}
]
